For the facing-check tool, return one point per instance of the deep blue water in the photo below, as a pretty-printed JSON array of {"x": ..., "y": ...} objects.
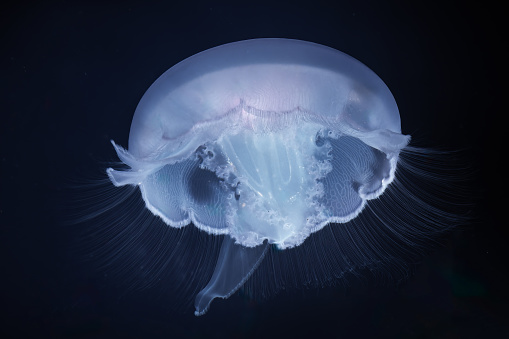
[{"x": 72, "y": 74}]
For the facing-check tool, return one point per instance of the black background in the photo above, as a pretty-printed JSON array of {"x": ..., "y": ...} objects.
[{"x": 71, "y": 76}]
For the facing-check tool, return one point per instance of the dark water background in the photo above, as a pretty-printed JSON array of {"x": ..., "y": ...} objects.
[{"x": 71, "y": 75}]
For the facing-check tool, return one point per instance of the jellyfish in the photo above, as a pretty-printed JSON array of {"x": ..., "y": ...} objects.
[{"x": 264, "y": 142}]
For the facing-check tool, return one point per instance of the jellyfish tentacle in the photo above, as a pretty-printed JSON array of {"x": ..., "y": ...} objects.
[{"x": 234, "y": 266}]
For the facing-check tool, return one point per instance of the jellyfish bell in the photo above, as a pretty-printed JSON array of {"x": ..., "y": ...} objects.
[
  {"x": 265, "y": 141},
  {"x": 255, "y": 109}
]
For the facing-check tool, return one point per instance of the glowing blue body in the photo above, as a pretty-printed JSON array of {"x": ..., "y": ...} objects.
[{"x": 265, "y": 140}]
